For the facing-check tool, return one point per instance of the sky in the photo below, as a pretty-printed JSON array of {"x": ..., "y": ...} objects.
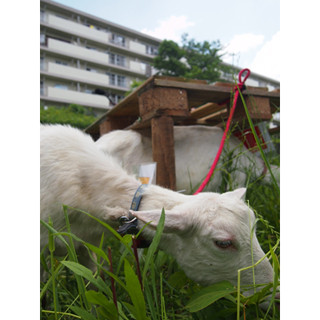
[{"x": 248, "y": 30}]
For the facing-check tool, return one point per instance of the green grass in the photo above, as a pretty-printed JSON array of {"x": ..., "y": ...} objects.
[{"x": 72, "y": 291}]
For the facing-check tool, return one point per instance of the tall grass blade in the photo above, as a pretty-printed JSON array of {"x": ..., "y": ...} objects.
[
  {"x": 154, "y": 286},
  {"x": 86, "y": 273},
  {"x": 108, "y": 309},
  {"x": 113, "y": 287},
  {"x": 276, "y": 270},
  {"x": 154, "y": 245},
  {"x": 150, "y": 301},
  {"x": 209, "y": 295},
  {"x": 162, "y": 301},
  {"x": 85, "y": 315},
  {"x": 258, "y": 142},
  {"x": 246, "y": 268},
  {"x": 115, "y": 233},
  {"x": 135, "y": 292},
  {"x": 73, "y": 256},
  {"x": 98, "y": 251},
  {"x": 54, "y": 293},
  {"x": 48, "y": 283}
]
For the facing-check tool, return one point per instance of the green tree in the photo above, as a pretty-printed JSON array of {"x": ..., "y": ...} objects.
[
  {"x": 194, "y": 60},
  {"x": 134, "y": 85},
  {"x": 75, "y": 115},
  {"x": 168, "y": 61}
]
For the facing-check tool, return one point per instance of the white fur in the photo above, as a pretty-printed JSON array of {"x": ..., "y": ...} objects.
[
  {"x": 195, "y": 150},
  {"x": 76, "y": 173}
]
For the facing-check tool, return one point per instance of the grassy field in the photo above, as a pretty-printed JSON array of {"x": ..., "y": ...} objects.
[{"x": 164, "y": 292}]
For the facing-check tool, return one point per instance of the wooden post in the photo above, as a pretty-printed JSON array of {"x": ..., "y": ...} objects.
[
  {"x": 163, "y": 151},
  {"x": 161, "y": 106}
]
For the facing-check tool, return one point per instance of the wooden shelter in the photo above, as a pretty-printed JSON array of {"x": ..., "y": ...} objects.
[{"x": 162, "y": 102}]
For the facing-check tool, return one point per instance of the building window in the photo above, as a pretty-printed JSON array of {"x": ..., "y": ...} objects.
[
  {"x": 112, "y": 78},
  {"x": 42, "y": 38},
  {"x": 121, "y": 81},
  {"x": 42, "y": 15},
  {"x": 117, "y": 80},
  {"x": 41, "y": 63},
  {"x": 91, "y": 70},
  {"x": 151, "y": 50},
  {"x": 41, "y": 88},
  {"x": 63, "y": 63},
  {"x": 91, "y": 48},
  {"x": 61, "y": 86},
  {"x": 116, "y": 98},
  {"x": 119, "y": 40},
  {"x": 117, "y": 59}
]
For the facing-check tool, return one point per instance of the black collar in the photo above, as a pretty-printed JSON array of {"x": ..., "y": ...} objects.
[{"x": 129, "y": 225}]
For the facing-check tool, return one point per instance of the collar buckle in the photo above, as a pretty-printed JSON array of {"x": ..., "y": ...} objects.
[{"x": 129, "y": 225}]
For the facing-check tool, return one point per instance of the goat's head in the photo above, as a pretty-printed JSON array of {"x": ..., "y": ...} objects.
[{"x": 212, "y": 236}]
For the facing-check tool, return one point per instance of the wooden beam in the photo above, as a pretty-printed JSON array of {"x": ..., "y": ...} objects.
[
  {"x": 258, "y": 107},
  {"x": 163, "y": 151},
  {"x": 163, "y": 101},
  {"x": 115, "y": 123}
]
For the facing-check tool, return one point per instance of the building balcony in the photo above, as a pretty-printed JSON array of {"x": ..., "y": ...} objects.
[
  {"x": 92, "y": 34},
  {"x": 93, "y": 56},
  {"x": 70, "y": 96},
  {"x": 78, "y": 75}
]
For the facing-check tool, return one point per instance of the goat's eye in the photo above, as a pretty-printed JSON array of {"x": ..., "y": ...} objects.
[{"x": 223, "y": 244}]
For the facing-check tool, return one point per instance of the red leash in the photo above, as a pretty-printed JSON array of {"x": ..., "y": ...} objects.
[{"x": 238, "y": 87}]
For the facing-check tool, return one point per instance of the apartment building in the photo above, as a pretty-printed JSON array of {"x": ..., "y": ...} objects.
[
  {"x": 85, "y": 59},
  {"x": 255, "y": 79}
]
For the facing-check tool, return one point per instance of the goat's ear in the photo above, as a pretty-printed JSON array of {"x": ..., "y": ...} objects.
[
  {"x": 174, "y": 220},
  {"x": 238, "y": 193}
]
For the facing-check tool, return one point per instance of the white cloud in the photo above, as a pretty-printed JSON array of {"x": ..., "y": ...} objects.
[
  {"x": 241, "y": 44},
  {"x": 244, "y": 42},
  {"x": 171, "y": 29},
  {"x": 251, "y": 50},
  {"x": 267, "y": 59}
]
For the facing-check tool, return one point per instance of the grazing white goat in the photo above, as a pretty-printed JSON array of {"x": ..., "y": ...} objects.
[
  {"x": 208, "y": 234},
  {"x": 195, "y": 149}
]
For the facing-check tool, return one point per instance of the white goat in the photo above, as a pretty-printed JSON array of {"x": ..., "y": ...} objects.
[
  {"x": 195, "y": 149},
  {"x": 208, "y": 234}
]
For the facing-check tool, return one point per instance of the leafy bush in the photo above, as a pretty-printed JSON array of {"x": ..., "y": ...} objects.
[{"x": 75, "y": 115}]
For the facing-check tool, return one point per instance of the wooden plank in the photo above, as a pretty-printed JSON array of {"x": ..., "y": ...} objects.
[
  {"x": 205, "y": 110},
  {"x": 163, "y": 151},
  {"x": 217, "y": 116},
  {"x": 180, "y": 79},
  {"x": 218, "y": 90}
]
